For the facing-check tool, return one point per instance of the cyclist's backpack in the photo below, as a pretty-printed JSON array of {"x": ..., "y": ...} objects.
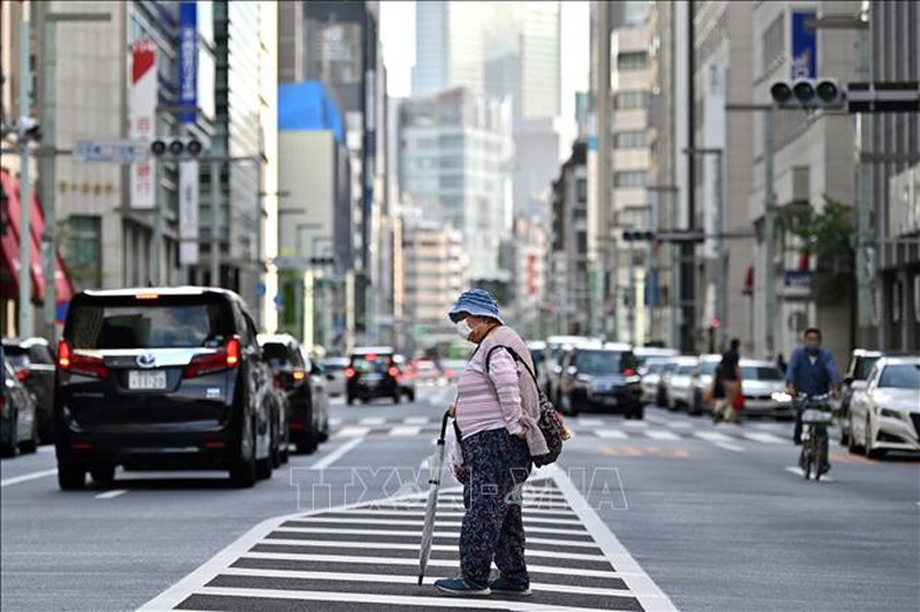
[{"x": 550, "y": 420}]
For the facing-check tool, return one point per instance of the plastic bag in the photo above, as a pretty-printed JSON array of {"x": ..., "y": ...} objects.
[{"x": 454, "y": 453}]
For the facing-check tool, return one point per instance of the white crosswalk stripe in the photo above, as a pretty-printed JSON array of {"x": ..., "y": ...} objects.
[
  {"x": 365, "y": 558},
  {"x": 616, "y": 434},
  {"x": 353, "y": 432},
  {"x": 767, "y": 438},
  {"x": 660, "y": 434},
  {"x": 372, "y": 421},
  {"x": 406, "y": 430}
]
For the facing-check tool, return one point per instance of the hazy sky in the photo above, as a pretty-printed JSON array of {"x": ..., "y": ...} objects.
[{"x": 397, "y": 31}]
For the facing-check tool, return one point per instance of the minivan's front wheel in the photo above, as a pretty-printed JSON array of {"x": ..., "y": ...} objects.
[{"x": 71, "y": 477}]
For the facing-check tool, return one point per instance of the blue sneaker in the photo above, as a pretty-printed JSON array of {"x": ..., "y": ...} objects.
[
  {"x": 461, "y": 587},
  {"x": 504, "y": 586}
]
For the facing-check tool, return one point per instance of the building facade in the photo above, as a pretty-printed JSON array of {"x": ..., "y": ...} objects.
[
  {"x": 894, "y": 139},
  {"x": 449, "y": 47},
  {"x": 455, "y": 150}
]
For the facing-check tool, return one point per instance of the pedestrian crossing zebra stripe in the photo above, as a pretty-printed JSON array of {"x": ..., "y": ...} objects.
[{"x": 591, "y": 571}]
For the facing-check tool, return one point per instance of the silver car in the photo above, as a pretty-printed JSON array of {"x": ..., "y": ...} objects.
[
  {"x": 335, "y": 375},
  {"x": 885, "y": 408},
  {"x": 651, "y": 374},
  {"x": 679, "y": 391},
  {"x": 764, "y": 389}
]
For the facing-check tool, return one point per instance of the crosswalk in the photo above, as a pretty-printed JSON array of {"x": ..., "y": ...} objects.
[
  {"x": 365, "y": 557},
  {"x": 724, "y": 435}
]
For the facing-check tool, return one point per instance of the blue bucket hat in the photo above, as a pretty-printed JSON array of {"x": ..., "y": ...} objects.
[{"x": 476, "y": 302}]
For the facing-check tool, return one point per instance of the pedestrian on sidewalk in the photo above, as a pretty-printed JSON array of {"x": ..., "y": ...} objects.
[
  {"x": 496, "y": 416},
  {"x": 728, "y": 373}
]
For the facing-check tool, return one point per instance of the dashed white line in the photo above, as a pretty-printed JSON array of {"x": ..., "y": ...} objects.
[
  {"x": 353, "y": 432},
  {"x": 766, "y": 438},
  {"x": 406, "y": 430},
  {"x": 618, "y": 434},
  {"x": 637, "y": 424},
  {"x": 415, "y": 420},
  {"x": 111, "y": 494},
  {"x": 729, "y": 446},
  {"x": 372, "y": 421},
  {"x": 336, "y": 454},
  {"x": 589, "y": 422},
  {"x": 26, "y": 477},
  {"x": 680, "y": 424},
  {"x": 660, "y": 434}
]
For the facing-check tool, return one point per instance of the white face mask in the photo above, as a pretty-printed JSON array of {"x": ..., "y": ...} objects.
[{"x": 463, "y": 329}]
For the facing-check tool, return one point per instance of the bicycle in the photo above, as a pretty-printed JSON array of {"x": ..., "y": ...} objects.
[{"x": 816, "y": 415}]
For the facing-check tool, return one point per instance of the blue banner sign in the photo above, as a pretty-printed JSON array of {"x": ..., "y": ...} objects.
[
  {"x": 804, "y": 46},
  {"x": 188, "y": 61}
]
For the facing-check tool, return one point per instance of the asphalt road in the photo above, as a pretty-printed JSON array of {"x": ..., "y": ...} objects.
[{"x": 639, "y": 515}]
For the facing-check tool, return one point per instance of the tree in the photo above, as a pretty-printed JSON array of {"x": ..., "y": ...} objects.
[{"x": 827, "y": 237}]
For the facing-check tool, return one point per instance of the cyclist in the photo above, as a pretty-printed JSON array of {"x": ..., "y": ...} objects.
[{"x": 811, "y": 371}]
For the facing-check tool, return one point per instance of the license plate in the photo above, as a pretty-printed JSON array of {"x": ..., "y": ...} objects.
[{"x": 142, "y": 380}]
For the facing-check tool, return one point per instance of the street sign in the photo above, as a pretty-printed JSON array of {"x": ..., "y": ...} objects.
[
  {"x": 111, "y": 151},
  {"x": 260, "y": 289}
]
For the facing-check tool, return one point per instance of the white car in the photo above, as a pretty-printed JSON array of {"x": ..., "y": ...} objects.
[
  {"x": 885, "y": 408},
  {"x": 701, "y": 380},
  {"x": 335, "y": 374},
  {"x": 680, "y": 392},
  {"x": 764, "y": 388},
  {"x": 646, "y": 353},
  {"x": 651, "y": 374}
]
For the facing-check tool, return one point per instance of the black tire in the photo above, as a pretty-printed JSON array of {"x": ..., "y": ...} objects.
[
  {"x": 307, "y": 442},
  {"x": 852, "y": 447},
  {"x": 243, "y": 471},
  {"x": 285, "y": 454},
  {"x": 8, "y": 447},
  {"x": 638, "y": 413},
  {"x": 28, "y": 447},
  {"x": 349, "y": 400},
  {"x": 103, "y": 474},
  {"x": 264, "y": 468},
  {"x": 411, "y": 396},
  {"x": 871, "y": 453},
  {"x": 71, "y": 477},
  {"x": 396, "y": 397}
]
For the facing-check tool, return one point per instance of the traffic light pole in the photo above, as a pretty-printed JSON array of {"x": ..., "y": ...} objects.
[
  {"x": 768, "y": 231},
  {"x": 215, "y": 223},
  {"x": 25, "y": 238}
]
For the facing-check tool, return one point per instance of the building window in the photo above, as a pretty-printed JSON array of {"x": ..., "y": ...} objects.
[
  {"x": 451, "y": 142},
  {"x": 631, "y": 99},
  {"x": 633, "y": 60},
  {"x": 84, "y": 250},
  {"x": 634, "y": 178},
  {"x": 773, "y": 43},
  {"x": 630, "y": 140},
  {"x": 581, "y": 187}
]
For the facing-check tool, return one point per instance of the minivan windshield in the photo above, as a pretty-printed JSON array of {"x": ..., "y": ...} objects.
[
  {"x": 139, "y": 324},
  {"x": 603, "y": 362}
]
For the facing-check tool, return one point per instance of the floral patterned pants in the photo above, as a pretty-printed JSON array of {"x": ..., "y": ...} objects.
[{"x": 497, "y": 465}]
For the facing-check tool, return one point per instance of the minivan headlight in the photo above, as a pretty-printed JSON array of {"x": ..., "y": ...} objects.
[{"x": 781, "y": 396}]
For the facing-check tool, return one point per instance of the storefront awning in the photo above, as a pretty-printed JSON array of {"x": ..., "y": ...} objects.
[{"x": 9, "y": 246}]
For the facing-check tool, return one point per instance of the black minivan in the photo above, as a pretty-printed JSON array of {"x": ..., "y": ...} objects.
[{"x": 161, "y": 377}]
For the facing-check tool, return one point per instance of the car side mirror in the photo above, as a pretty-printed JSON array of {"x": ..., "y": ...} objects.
[{"x": 859, "y": 385}]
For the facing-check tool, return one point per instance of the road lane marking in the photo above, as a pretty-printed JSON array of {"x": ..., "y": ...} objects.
[
  {"x": 412, "y": 420},
  {"x": 335, "y": 422},
  {"x": 368, "y": 521},
  {"x": 766, "y": 438},
  {"x": 589, "y": 422},
  {"x": 111, "y": 494},
  {"x": 638, "y": 424},
  {"x": 712, "y": 436},
  {"x": 374, "y": 560},
  {"x": 453, "y": 526},
  {"x": 372, "y": 421},
  {"x": 353, "y": 432},
  {"x": 373, "y": 598},
  {"x": 336, "y": 454},
  {"x": 680, "y": 424},
  {"x": 618, "y": 434},
  {"x": 801, "y": 474},
  {"x": 660, "y": 434},
  {"x": 399, "y": 579},
  {"x": 729, "y": 446},
  {"x": 26, "y": 477},
  {"x": 370, "y": 544},
  {"x": 406, "y": 430}
]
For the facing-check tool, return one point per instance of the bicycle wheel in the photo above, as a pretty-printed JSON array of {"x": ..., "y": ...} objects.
[
  {"x": 808, "y": 451},
  {"x": 819, "y": 457}
]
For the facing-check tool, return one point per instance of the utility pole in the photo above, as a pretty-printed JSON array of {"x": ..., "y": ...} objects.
[
  {"x": 215, "y": 223},
  {"x": 25, "y": 237},
  {"x": 769, "y": 217}
]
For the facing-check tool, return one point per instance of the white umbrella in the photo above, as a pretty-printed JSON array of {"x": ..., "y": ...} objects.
[{"x": 434, "y": 484}]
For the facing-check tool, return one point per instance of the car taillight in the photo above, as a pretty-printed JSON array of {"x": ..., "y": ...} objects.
[
  {"x": 350, "y": 373},
  {"x": 298, "y": 374},
  {"x": 394, "y": 372},
  {"x": 629, "y": 372},
  {"x": 23, "y": 374},
  {"x": 224, "y": 359},
  {"x": 80, "y": 364}
]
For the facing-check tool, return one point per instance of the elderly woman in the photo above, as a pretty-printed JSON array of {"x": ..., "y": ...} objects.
[{"x": 496, "y": 416}]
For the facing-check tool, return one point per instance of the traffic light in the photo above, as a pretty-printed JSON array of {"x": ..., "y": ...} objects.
[
  {"x": 808, "y": 94},
  {"x": 176, "y": 147},
  {"x": 638, "y": 235}
]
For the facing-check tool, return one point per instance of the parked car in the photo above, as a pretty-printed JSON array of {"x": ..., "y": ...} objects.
[
  {"x": 602, "y": 376},
  {"x": 662, "y": 397},
  {"x": 700, "y": 380},
  {"x": 155, "y": 377},
  {"x": 18, "y": 419},
  {"x": 651, "y": 375},
  {"x": 644, "y": 353},
  {"x": 861, "y": 362},
  {"x": 335, "y": 374},
  {"x": 556, "y": 347},
  {"x": 680, "y": 393},
  {"x": 764, "y": 388},
  {"x": 372, "y": 373},
  {"x": 304, "y": 387},
  {"x": 33, "y": 361},
  {"x": 404, "y": 378},
  {"x": 885, "y": 408},
  {"x": 537, "y": 350}
]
